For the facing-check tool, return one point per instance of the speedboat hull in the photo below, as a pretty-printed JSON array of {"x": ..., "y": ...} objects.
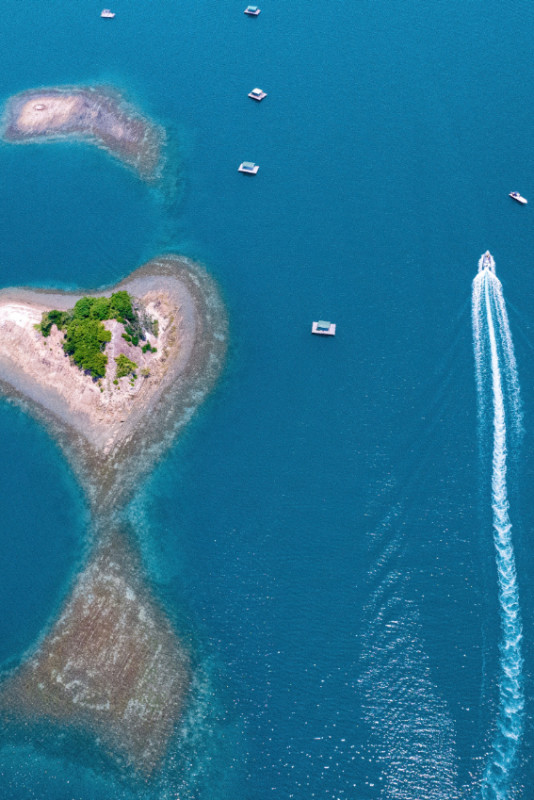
[
  {"x": 486, "y": 262},
  {"x": 518, "y": 198}
]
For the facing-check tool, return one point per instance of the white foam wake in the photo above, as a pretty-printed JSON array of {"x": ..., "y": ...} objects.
[{"x": 496, "y": 377}]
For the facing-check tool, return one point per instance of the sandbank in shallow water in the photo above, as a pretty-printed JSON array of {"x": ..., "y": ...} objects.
[{"x": 97, "y": 114}]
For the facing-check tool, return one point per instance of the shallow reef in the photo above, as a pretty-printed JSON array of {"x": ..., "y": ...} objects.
[{"x": 97, "y": 114}]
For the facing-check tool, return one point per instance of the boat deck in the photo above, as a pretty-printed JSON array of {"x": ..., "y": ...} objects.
[{"x": 320, "y": 329}]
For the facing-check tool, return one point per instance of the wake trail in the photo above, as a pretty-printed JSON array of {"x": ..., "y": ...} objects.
[{"x": 496, "y": 376}]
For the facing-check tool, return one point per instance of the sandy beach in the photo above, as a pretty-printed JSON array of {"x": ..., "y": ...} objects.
[{"x": 97, "y": 114}]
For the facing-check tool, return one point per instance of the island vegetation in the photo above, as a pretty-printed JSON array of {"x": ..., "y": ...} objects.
[
  {"x": 86, "y": 336},
  {"x": 125, "y": 366}
]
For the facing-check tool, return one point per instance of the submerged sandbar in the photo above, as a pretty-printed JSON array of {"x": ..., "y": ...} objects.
[
  {"x": 112, "y": 667},
  {"x": 96, "y": 114}
]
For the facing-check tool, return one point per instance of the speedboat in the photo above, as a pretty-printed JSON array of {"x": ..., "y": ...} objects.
[
  {"x": 518, "y": 197},
  {"x": 107, "y": 14},
  {"x": 486, "y": 262}
]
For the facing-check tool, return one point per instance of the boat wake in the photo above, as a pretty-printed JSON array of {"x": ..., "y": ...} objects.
[{"x": 500, "y": 429}]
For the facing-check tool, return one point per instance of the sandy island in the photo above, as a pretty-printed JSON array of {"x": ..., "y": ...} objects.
[
  {"x": 112, "y": 666},
  {"x": 97, "y": 114},
  {"x": 112, "y": 434}
]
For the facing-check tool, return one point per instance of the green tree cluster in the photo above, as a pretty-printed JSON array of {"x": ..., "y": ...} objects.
[
  {"x": 118, "y": 306},
  {"x": 124, "y": 366},
  {"x": 85, "y": 340},
  {"x": 85, "y": 335}
]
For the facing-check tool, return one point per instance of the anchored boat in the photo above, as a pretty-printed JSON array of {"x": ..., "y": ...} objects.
[
  {"x": 324, "y": 328},
  {"x": 248, "y": 167},
  {"x": 257, "y": 94}
]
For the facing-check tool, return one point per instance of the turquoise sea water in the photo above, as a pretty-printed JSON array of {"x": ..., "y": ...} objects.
[{"x": 319, "y": 531}]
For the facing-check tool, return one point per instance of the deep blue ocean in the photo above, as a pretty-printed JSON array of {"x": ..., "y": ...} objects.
[{"x": 317, "y": 531}]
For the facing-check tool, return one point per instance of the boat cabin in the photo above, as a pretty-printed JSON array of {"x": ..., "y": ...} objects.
[
  {"x": 257, "y": 94},
  {"x": 248, "y": 167}
]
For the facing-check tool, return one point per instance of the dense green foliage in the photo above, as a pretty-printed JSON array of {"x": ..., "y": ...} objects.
[
  {"x": 86, "y": 336},
  {"x": 59, "y": 318},
  {"x": 85, "y": 340},
  {"x": 118, "y": 306},
  {"x": 124, "y": 366}
]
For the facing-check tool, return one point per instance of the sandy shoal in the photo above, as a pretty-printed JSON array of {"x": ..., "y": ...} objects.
[{"x": 57, "y": 111}]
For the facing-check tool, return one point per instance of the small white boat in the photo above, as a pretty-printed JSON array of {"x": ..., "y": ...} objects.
[
  {"x": 248, "y": 167},
  {"x": 323, "y": 328},
  {"x": 107, "y": 14},
  {"x": 518, "y": 197},
  {"x": 257, "y": 94},
  {"x": 252, "y": 11},
  {"x": 486, "y": 262}
]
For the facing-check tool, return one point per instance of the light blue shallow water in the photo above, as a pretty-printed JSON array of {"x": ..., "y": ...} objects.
[{"x": 318, "y": 528}]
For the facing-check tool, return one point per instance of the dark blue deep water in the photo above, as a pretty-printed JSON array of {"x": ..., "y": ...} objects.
[{"x": 317, "y": 530}]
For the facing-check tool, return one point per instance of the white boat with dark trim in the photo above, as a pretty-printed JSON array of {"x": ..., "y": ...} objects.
[
  {"x": 324, "y": 328},
  {"x": 486, "y": 262},
  {"x": 107, "y": 14},
  {"x": 518, "y": 197}
]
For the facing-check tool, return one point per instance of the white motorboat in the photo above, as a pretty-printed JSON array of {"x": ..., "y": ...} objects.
[
  {"x": 516, "y": 196},
  {"x": 486, "y": 262}
]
